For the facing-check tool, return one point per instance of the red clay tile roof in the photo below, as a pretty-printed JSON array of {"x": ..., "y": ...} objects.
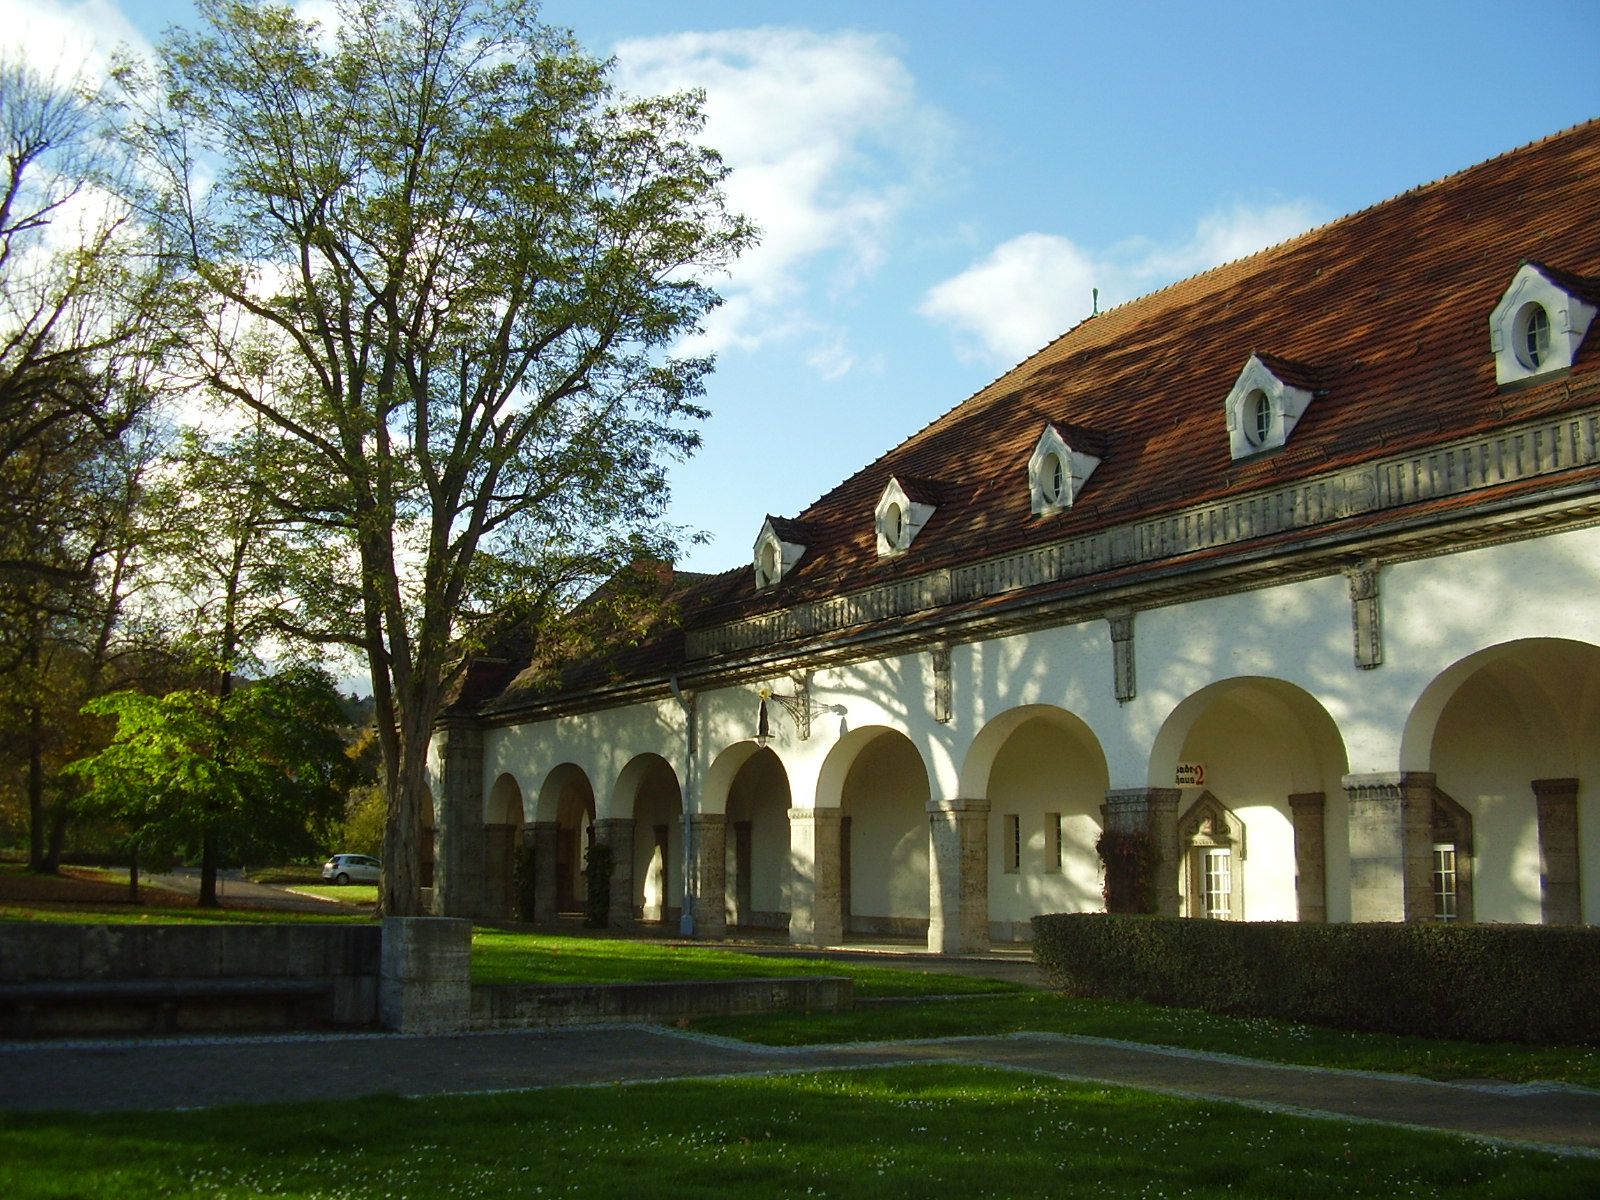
[{"x": 1382, "y": 314}]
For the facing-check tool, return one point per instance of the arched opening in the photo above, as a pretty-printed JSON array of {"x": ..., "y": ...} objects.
[
  {"x": 1046, "y": 780},
  {"x": 566, "y": 810},
  {"x": 757, "y": 845},
  {"x": 883, "y": 836},
  {"x": 1512, "y": 738},
  {"x": 649, "y": 792},
  {"x": 502, "y": 842},
  {"x": 1260, "y": 829}
]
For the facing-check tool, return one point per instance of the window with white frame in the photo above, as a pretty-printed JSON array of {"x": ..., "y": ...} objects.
[
  {"x": 1444, "y": 882},
  {"x": 1216, "y": 883},
  {"x": 1212, "y": 876},
  {"x": 1053, "y": 850}
]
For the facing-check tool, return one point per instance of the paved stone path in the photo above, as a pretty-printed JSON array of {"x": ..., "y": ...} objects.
[{"x": 151, "y": 1074}]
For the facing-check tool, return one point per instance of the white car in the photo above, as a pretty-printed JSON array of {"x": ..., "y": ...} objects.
[{"x": 351, "y": 868}]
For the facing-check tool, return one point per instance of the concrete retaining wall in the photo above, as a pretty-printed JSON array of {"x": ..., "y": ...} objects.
[
  {"x": 410, "y": 975},
  {"x": 512, "y": 1006},
  {"x": 344, "y": 957}
]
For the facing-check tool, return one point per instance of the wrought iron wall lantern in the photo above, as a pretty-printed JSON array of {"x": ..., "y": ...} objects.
[{"x": 799, "y": 707}]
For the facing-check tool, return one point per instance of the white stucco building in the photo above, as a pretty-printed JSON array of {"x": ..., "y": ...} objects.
[{"x": 1292, "y": 567}]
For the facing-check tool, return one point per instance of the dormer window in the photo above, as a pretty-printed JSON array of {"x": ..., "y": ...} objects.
[
  {"x": 1532, "y": 336},
  {"x": 1267, "y": 401},
  {"x": 1057, "y": 472},
  {"x": 900, "y": 515},
  {"x": 1258, "y": 418},
  {"x": 775, "y": 555},
  {"x": 1540, "y": 323}
]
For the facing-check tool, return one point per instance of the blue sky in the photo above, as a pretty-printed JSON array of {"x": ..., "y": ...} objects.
[{"x": 941, "y": 189}]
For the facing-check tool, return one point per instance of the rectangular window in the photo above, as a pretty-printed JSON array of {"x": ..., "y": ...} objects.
[
  {"x": 1444, "y": 881},
  {"x": 1013, "y": 843},
  {"x": 1216, "y": 887},
  {"x": 1053, "y": 839}
]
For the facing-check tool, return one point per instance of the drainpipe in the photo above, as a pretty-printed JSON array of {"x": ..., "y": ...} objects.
[{"x": 686, "y": 918}]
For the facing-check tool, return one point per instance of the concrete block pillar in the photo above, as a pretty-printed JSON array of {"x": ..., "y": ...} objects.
[
  {"x": 708, "y": 873},
  {"x": 816, "y": 917},
  {"x": 544, "y": 836},
  {"x": 1560, "y": 893},
  {"x": 458, "y": 875},
  {"x": 1308, "y": 810},
  {"x": 1391, "y": 845},
  {"x": 1153, "y": 811},
  {"x": 958, "y": 871},
  {"x": 617, "y": 833},
  {"x": 425, "y": 977}
]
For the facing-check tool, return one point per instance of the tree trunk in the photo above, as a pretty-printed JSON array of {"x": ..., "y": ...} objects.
[
  {"x": 36, "y": 823},
  {"x": 208, "y": 871}
]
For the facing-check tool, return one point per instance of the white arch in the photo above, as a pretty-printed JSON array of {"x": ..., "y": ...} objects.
[
  {"x": 506, "y": 805},
  {"x": 565, "y": 779},
  {"x": 1287, "y": 713},
  {"x": 1526, "y": 667},
  {"x": 991, "y": 739},
  {"x": 634, "y": 776}
]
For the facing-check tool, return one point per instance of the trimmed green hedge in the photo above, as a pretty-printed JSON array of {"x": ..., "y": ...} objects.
[{"x": 1523, "y": 983}]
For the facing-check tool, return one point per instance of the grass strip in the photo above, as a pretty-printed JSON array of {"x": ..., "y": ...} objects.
[
  {"x": 1150, "y": 1024},
  {"x": 930, "y": 1132},
  {"x": 500, "y": 956}
]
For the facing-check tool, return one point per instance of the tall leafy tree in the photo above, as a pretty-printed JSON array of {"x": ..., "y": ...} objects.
[
  {"x": 260, "y": 767},
  {"x": 447, "y": 265}
]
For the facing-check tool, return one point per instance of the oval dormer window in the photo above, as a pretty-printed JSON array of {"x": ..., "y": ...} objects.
[
  {"x": 769, "y": 562},
  {"x": 1055, "y": 479},
  {"x": 1258, "y": 417},
  {"x": 1531, "y": 336},
  {"x": 894, "y": 526}
]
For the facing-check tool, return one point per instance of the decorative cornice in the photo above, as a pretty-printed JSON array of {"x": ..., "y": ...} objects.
[{"x": 1510, "y": 455}]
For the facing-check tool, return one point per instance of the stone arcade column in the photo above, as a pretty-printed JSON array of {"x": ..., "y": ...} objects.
[
  {"x": 958, "y": 876},
  {"x": 1310, "y": 855},
  {"x": 708, "y": 877},
  {"x": 1391, "y": 845},
  {"x": 544, "y": 837},
  {"x": 617, "y": 833},
  {"x": 458, "y": 865},
  {"x": 816, "y": 917},
  {"x": 1560, "y": 894},
  {"x": 1153, "y": 811}
]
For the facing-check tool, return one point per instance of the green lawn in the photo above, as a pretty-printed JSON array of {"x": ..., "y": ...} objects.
[
  {"x": 349, "y": 893},
  {"x": 499, "y": 956},
  {"x": 932, "y": 1132}
]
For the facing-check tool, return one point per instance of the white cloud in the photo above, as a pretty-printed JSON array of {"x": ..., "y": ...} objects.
[
  {"x": 1031, "y": 289},
  {"x": 66, "y": 41},
  {"x": 825, "y": 135}
]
